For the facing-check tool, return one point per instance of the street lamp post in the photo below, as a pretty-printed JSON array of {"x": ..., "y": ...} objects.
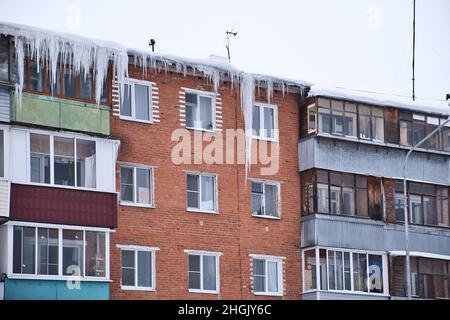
[{"x": 405, "y": 206}]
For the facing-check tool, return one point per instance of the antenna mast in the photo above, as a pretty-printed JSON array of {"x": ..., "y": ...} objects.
[
  {"x": 414, "y": 52},
  {"x": 229, "y": 34}
]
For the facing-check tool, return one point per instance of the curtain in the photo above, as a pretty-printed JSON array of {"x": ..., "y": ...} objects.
[
  {"x": 272, "y": 273},
  {"x": 208, "y": 190}
]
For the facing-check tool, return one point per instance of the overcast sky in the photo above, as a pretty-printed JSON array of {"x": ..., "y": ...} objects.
[{"x": 360, "y": 44}]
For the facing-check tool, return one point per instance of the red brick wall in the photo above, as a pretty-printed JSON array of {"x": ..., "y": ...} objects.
[{"x": 233, "y": 231}]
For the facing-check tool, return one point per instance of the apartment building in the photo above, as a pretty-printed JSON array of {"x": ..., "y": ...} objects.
[
  {"x": 351, "y": 157},
  {"x": 58, "y": 199}
]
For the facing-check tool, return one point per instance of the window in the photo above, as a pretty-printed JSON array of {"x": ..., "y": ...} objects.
[
  {"x": 201, "y": 192},
  {"x": 136, "y": 185},
  {"x": 36, "y": 252},
  {"x": 337, "y": 123},
  {"x": 312, "y": 121},
  {"x": 136, "y": 101},
  {"x": 371, "y": 123},
  {"x": 2, "y": 153},
  {"x": 4, "y": 59},
  {"x": 138, "y": 269},
  {"x": 343, "y": 270},
  {"x": 203, "y": 273},
  {"x": 265, "y": 121},
  {"x": 442, "y": 206},
  {"x": 265, "y": 199},
  {"x": 200, "y": 111},
  {"x": 62, "y": 155},
  {"x": 267, "y": 275},
  {"x": 350, "y": 120},
  {"x": 335, "y": 192},
  {"x": 324, "y": 115}
]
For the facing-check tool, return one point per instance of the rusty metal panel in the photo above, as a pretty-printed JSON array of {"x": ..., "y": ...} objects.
[
  {"x": 63, "y": 206},
  {"x": 375, "y": 202}
]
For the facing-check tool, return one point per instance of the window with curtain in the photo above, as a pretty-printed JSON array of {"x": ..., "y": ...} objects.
[
  {"x": 200, "y": 111},
  {"x": 136, "y": 185},
  {"x": 136, "y": 100},
  {"x": 63, "y": 161},
  {"x": 203, "y": 275},
  {"x": 265, "y": 199},
  {"x": 267, "y": 276},
  {"x": 201, "y": 192},
  {"x": 264, "y": 121},
  {"x": 137, "y": 268}
]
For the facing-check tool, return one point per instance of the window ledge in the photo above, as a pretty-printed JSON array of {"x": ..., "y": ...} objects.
[
  {"x": 203, "y": 291},
  {"x": 266, "y": 217},
  {"x": 201, "y": 211},
  {"x": 137, "y": 205},
  {"x": 129, "y": 288},
  {"x": 56, "y": 278},
  {"x": 265, "y": 139},
  {"x": 135, "y": 120},
  {"x": 268, "y": 294},
  {"x": 202, "y": 130}
]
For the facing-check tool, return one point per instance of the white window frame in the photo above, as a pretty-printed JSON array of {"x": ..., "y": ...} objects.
[
  {"x": 202, "y": 253},
  {"x": 60, "y": 275},
  {"x": 314, "y": 108},
  {"x": 137, "y": 249},
  {"x": 268, "y": 258},
  {"x": 52, "y": 137},
  {"x": 278, "y": 204},
  {"x": 385, "y": 279},
  {"x": 197, "y": 117},
  {"x": 134, "y": 203},
  {"x": 132, "y": 83},
  {"x": 216, "y": 195},
  {"x": 262, "y": 106}
]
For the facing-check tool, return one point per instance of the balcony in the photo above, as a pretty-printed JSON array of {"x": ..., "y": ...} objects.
[
  {"x": 365, "y": 234},
  {"x": 61, "y": 113},
  {"x": 369, "y": 158}
]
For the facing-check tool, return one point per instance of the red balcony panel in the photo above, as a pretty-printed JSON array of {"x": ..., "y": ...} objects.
[{"x": 63, "y": 206}]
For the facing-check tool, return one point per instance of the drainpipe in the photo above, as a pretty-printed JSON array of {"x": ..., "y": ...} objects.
[{"x": 405, "y": 207}]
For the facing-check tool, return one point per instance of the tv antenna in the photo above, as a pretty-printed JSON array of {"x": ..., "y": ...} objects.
[
  {"x": 230, "y": 34},
  {"x": 152, "y": 43}
]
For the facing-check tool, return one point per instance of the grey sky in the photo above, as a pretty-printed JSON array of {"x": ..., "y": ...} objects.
[{"x": 360, "y": 44}]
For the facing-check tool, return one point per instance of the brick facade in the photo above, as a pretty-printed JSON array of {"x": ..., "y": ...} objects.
[{"x": 233, "y": 231}]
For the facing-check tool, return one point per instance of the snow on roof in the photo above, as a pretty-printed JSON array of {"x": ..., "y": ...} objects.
[{"x": 379, "y": 99}]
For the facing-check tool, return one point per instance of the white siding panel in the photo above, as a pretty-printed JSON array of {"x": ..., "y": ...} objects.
[
  {"x": 4, "y": 198},
  {"x": 106, "y": 159},
  {"x": 19, "y": 156}
]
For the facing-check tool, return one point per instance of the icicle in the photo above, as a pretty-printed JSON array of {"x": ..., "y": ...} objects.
[
  {"x": 269, "y": 90},
  {"x": 20, "y": 69},
  {"x": 247, "y": 102}
]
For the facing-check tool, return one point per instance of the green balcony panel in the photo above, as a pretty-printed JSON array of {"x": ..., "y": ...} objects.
[{"x": 61, "y": 113}]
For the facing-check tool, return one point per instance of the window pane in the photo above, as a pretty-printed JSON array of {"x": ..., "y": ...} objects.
[
  {"x": 331, "y": 270},
  {"x": 144, "y": 269},
  {"x": 339, "y": 271},
  {"x": 192, "y": 182},
  {"x": 347, "y": 271},
  {"x": 40, "y": 158},
  {"x": 24, "y": 250},
  {"x": 378, "y": 128},
  {"x": 86, "y": 86},
  {"x": 194, "y": 272},
  {"x": 323, "y": 269},
  {"x": 310, "y": 270},
  {"x": 405, "y": 133},
  {"x": 322, "y": 198},
  {"x": 272, "y": 276},
  {"x": 269, "y": 122},
  {"x": 128, "y": 268},
  {"x": 337, "y": 109},
  {"x": 143, "y": 192},
  {"x": 72, "y": 252},
  {"x": 48, "y": 251},
  {"x": 193, "y": 200},
  {"x": 105, "y": 92},
  {"x": 324, "y": 120},
  {"x": 349, "y": 201},
  {"x": 259, "y": 275},
  {"x": 360, "y": 272},
  {"x": 209, "y": 273},
  {"x": 271, "y": 200},
  {"x": 399, "y": 207},
  {"x": 350, "y": 124},
  {"x": 206, "y": 113},
  {"x": 126, "y": 184},
  {"x": 4, "y": 60},
  {"x": 208, "y": 193},
  {"x": 95, "y": 254},
  {"x": 86, "y": 163},
  {"x": 364, "y": 127},
  {"x": 257, "y": 187},
  {"x": 429, "y": 210},
  {"x": 190, "y": 116},
  {"x": 418, "y": 131},
  {"x": 312, "y": 119},
  {"x": 415, "y": 203},
  {"x": 142, "y": 102},
  {"x": 257, "y": 204},
  {"x": 125, "y": 103},
  {"x": 376, "y": 273},
  {"x": 64, "y": 164},
  {"x": 36, "y": 78},
  {"x": 256, "y": 121},
  {"x": 70, "y": 83},
  {"x": 335, "y": 200}
]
